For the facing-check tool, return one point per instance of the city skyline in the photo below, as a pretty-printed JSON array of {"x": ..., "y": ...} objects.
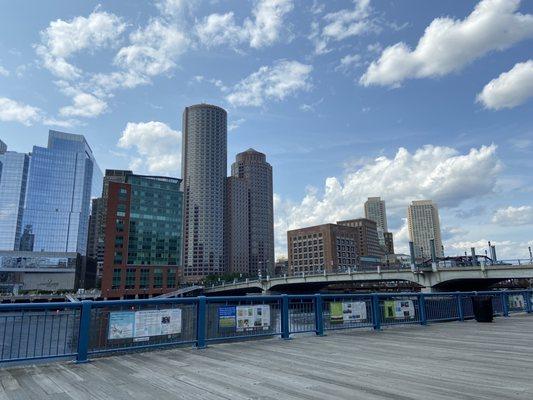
[{"x": 341, "y": 128}]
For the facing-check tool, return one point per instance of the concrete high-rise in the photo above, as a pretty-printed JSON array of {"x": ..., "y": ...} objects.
[
  {"x": 13, "y": 182},
  {"x": 376, "y": 211},
  {"x": 204, "y": 168},
  {"x": 250, "y": 192},
  {"x": 424, "y": 225}
]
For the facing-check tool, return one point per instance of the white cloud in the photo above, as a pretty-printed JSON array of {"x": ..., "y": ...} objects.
[
  {"x": 4, "y": 71},
  {"x": 276, "y": 82},
  {"x": 62, "y": 39},
  {"x": 431, "y": 172},
  {"x": 157, "y": 145},
  {"x": 235, "y": 124},
  {"x": 448, "y": 45},
  {"x": 348, "y": 62},
  {"x": 84, "y": 105},
  {"x": 342, "y": 24},
  {"x": 512, "y": 216},
  {"x": 263, "y": 30},
  {"x": 152, "y": 50},
  {"x": 510, "y": 89},
  {"x": 11, "y": 110},
  {"x": 172, "y": 8}
]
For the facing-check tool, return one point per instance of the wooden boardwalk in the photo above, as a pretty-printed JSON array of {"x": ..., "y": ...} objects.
[{"x": 441, "y": 361}]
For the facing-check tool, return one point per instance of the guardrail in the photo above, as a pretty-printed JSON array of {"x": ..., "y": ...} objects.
[{"x": 33, "y": 331}]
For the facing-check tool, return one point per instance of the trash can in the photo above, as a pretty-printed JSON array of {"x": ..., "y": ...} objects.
[{"x": 482, "y": 306}]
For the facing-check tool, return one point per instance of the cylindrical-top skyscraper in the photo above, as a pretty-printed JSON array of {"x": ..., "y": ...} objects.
[
  {"x": 204, "y": 168},
  {"x": 252, "y": 167}
]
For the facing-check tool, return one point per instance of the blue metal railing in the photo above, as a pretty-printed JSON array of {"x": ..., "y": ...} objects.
[{"x": 33, "y": 331}]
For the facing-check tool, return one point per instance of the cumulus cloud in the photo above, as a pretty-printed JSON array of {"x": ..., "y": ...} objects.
[
  {"x": 260, "y": 31},
  {"x": 158, "y": 147},
  {"x": 62, "y": 39},
  {"x": 512, "y": 216},
  {"x": 153, "y": 50},
  {"x": 348, "y": 62},
  {"x": 342, "y": 24},
  {"x": 4, "y": 71},
  {"x": 448, "y": 45},
  {"x": 275, "y": 82},
  {"x": 11, "y": 110},
  {"x": 510, "y": 89},
  {"x": 438, "y": 173},
  {"x": 14, "y": 111},
  {"x": 84, "y": 105}
]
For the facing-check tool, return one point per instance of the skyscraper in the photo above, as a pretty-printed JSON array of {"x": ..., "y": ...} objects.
[
  {"x": 236, "y": 227},
  {"x": 13, "y": 182},
  {"x": 3, "y": 147},
  {"x": 375, "y": 210},
  {"x": 255, "y": 172},
  {"x": 204, "y": 168},
  {"x": 62, "y": 178},
  {"x": 424, "y": 225}
]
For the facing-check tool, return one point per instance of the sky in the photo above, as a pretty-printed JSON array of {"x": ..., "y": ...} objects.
[{"x": 403, "y": 99}]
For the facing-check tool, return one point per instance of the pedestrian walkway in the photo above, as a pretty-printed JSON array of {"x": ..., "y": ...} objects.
[{"x": 455, "y": 360}]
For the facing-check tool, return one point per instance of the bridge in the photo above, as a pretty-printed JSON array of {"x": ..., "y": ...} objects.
[{"x": 430, "y": 279}]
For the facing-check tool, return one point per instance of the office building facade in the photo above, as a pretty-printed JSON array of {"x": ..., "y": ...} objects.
[
  {"x": 13, "y": 184},
  {"x": 376, "y": 211},
  {"x": 424, "y": 225},
  {"x": 315, "y": 249},
  {"x": 367, "y": 243},
  {"x": 251, "y": 171},
  {"x": 61, "y": 181},
  {"x": 142, "y": 236},
  {"x": 204, "y": 168}
]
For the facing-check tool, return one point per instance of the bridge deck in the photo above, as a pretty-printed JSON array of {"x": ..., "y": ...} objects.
[{"x": 441, "y": 361}]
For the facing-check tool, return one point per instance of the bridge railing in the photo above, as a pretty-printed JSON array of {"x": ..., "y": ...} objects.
[{"x": 32, "y": 331}]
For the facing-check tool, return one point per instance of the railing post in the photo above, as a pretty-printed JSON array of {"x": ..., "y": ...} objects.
[
  {"x": 422, "y": 305},
  {"x": 460, "y": 307},
  {"x": 376, "y": 312},
  {"x": 285, "y": 334},
  {"x": 319, "y": 319},
  {"x": 505, "y": 304},
  {"x": 201, "y": 312},
  {"x": 83, "y": 335},
  {"x": 527, "y": 300}
]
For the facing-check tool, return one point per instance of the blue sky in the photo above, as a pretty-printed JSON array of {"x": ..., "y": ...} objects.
[{"x": 400, "y": 99}]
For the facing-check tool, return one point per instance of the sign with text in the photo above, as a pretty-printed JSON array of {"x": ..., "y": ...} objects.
[
  {"x": 144, "y": 323},
  {"x": 347, "y": 311},
  {"x": 226, "y": 317},
  {"x": 253, "y": 317}
]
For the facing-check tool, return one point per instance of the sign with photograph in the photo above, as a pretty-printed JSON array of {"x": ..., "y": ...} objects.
[
  {"x": 347, "y": 311},
  {"x": 253, "y": 317},
  {"x": 144, "y": 323},
  {"x": 398, "y": 309},
  {"x": 227, "y": 317},
  {"x": 121, "y": 325},
  {"x": 516, "y": 301}
]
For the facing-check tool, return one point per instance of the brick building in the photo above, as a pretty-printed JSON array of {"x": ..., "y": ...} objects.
[{"x": 142, "y": 237}]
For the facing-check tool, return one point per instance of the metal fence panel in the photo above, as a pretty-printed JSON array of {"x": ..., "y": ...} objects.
[
  {"x": 442, "y": 308},
  {"x": 38, "y": 333}
]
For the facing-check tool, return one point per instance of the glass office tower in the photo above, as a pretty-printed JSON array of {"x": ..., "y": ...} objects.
[
  {"x": 13, "y": 178},
  {"x": 62, "y": 179}
]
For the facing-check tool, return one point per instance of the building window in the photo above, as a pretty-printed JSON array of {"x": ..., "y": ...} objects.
[
  {"x": 145, "y": 273},
  {"x": 115, "y": 284},
  {"x": 158, "y": 278},
  {"x": 130, "y": 278},
  {"x": 171, "y": 278}
]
